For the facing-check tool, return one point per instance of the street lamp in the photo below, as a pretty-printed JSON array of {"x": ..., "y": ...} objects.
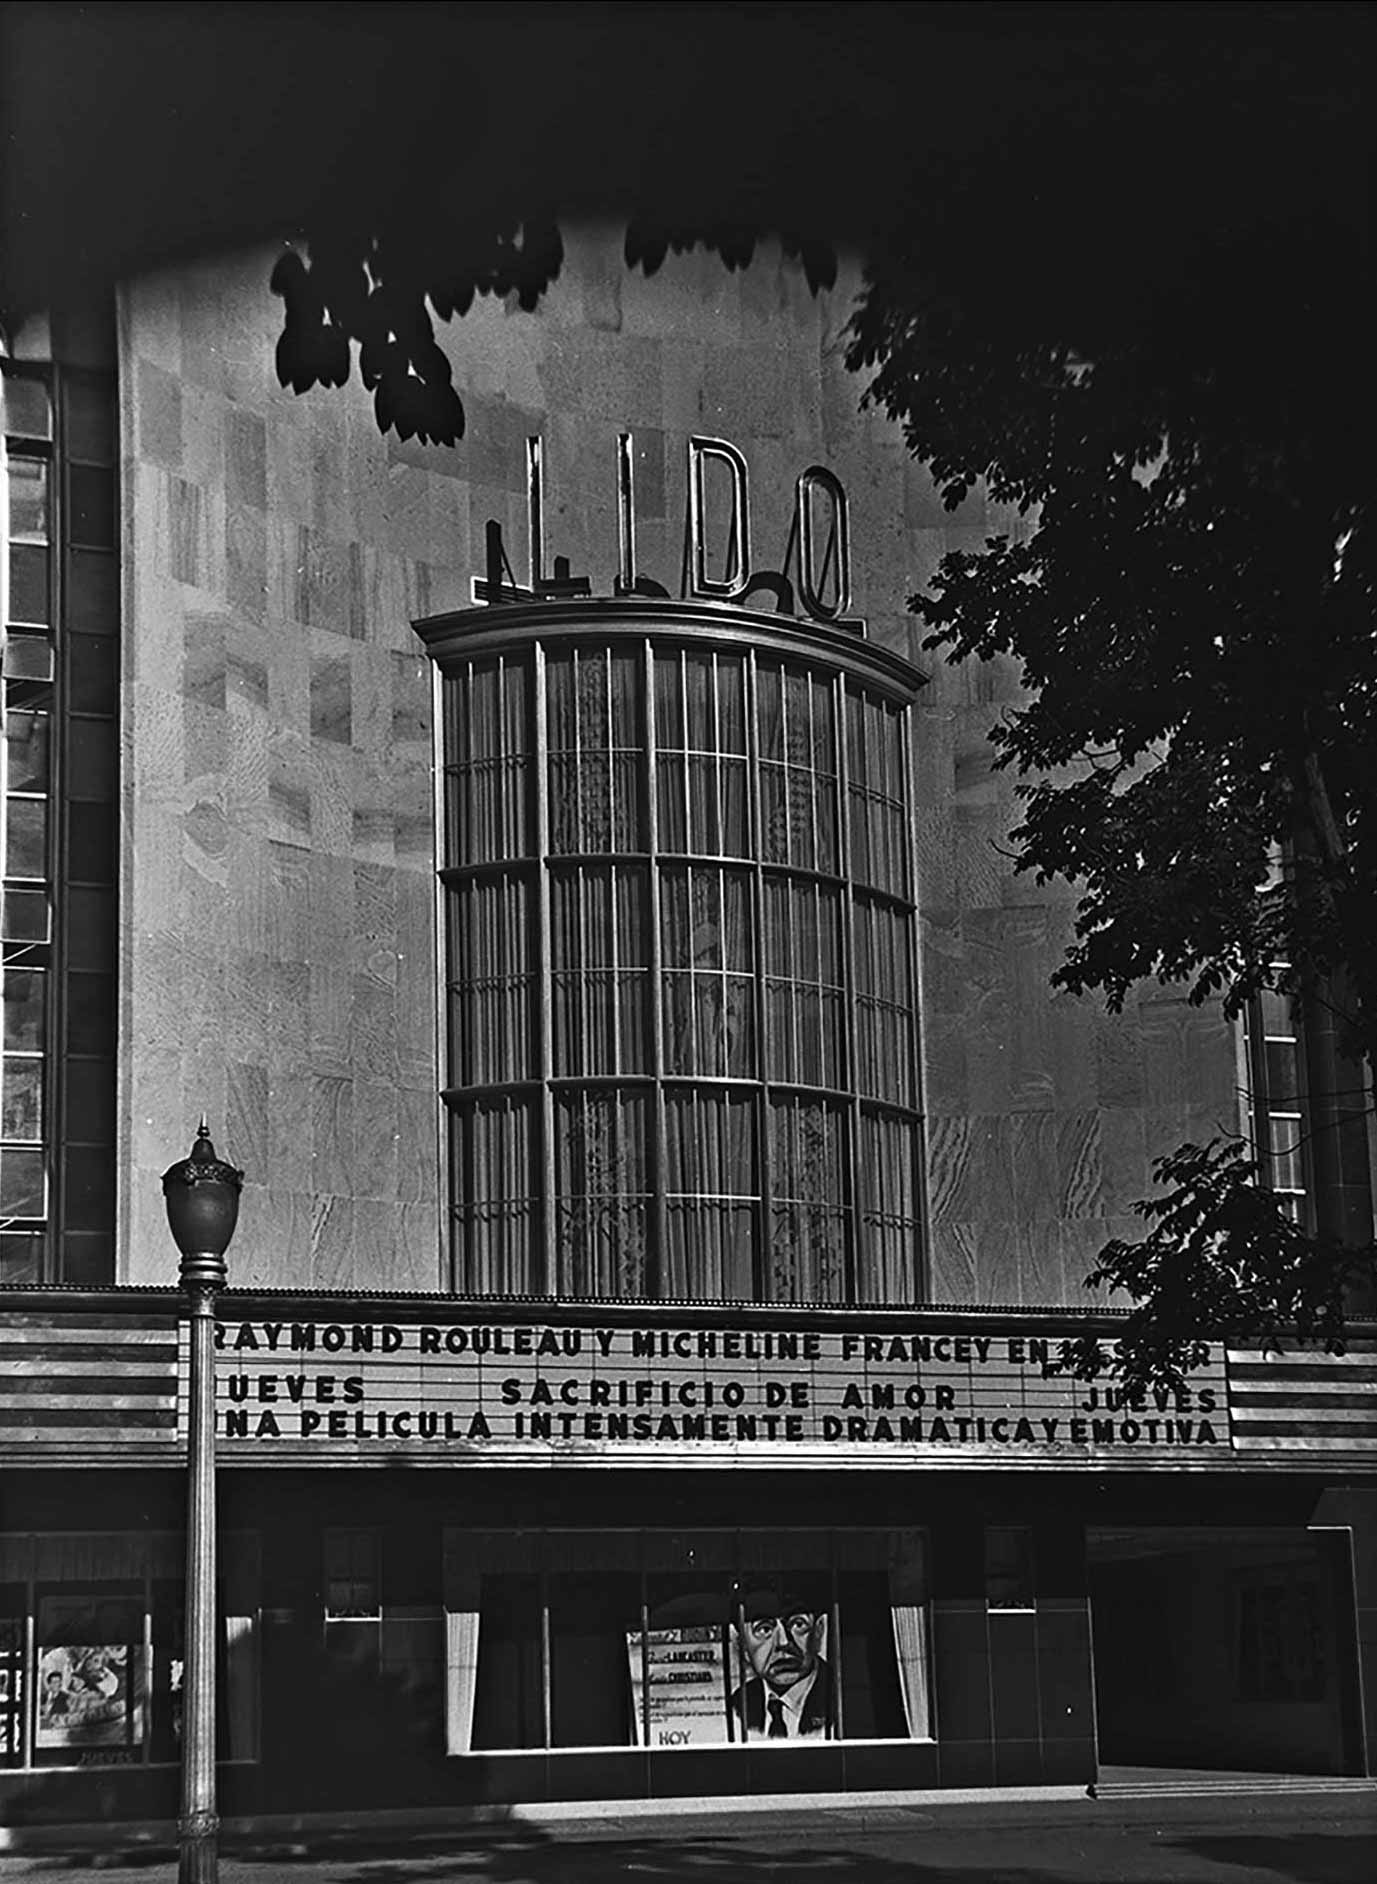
[{"x": 202, "y": 1194}]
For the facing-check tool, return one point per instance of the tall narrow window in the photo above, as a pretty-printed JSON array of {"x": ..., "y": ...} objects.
[
  {"x": 1271, "y": 1082},
  {"x": 57, "y": 827}
]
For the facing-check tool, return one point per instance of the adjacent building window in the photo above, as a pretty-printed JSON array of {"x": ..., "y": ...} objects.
[
  {"x": 680, "y": 981},
  {"x": 1271, "y": 1081},
  {"x": 670, "y": 1640},
  {"x": 59, "y": 595}
]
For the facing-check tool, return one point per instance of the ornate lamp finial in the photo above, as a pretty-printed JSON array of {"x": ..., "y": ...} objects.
[{"x": 202, "y": 1194}]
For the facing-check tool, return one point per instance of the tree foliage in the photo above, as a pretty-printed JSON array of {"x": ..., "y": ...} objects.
[
  {"x": 1167, "y": 378},
  {"x": 383, "y": 294},
  {"x": 1193, "y": 618}
]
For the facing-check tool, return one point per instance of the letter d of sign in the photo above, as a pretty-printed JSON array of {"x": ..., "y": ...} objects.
[
  {"x": 836, "y": 556},
  {"x": 737, "y": 580}
]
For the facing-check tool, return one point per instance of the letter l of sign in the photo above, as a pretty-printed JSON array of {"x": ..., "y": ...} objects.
[{"x": 561, "y": 583}]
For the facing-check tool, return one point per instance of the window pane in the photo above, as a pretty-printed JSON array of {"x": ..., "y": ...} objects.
[
  {"x": 26, "y": 750},
  {"x": 492, "y": 1035},
  {"x": 497, "y": 1214},
  {"x": 22, "y": 1188},
  {"x": 1283, "y": 1073},
  {"x": 351, "y": 1573},
  {"x": 29, "y": 499},
  {"x": 1009, "y": 1567},
  {"x": 26, "y": 838},
  {"x": 28, "y": 657},
  {"x": 701, "y": 738},
  {"x": 23, "y": 1099},
  {"x": 28, "y": 411},
  {"x": 487, "y": 771},
  {"x": 807, "y": 1217},
  {"x": 591, "y": 1618},
  {"x": 803, "y": 982},
  {"x": 29, "y": 583},
  {"x": 95, "y": 675},
  {"x": 884, "y": 1002},
  {"x": 597, "y": 755},
  {"x": 601, "y": 1192},
  {"x": 23, "y": 995},
  {"x": 89, "y": 417},
  {"x": 797, "y": 769},
  {"x": 90, "y": 1013},
  {"x": 887, "y": 1254},
  {"x": 88, "y": 1187},
  {"x": 707, "y": 938},
  {"x": 879, "y": 795},
  {"x": 92, "y": 770},
  {"x": 25, "y": 917},
  {"x": 91, "y": 1103},
  {"x": 508, "y": 1707},
  {"x": 1287, "y": 1150},
  {"x": 92, "y": 591},
  {"x": 21, "y": 1256},
  {"x": 91, "y": 507},
  {"x": 91, "y": 858},
  {"x": 712, "y": 1206},
  {"x": 600, "y": 940}
]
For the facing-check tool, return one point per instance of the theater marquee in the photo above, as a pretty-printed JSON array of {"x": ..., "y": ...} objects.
[{"x": 622, "y": 1392}]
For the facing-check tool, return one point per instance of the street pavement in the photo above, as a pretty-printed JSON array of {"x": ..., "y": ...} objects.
[{"x": 1311, "y": 1839}]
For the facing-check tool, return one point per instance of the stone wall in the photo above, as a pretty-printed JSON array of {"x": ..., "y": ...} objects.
[{"x": 278, "y": 949}]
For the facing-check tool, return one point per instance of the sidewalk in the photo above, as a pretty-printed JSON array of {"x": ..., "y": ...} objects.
[{"x": 1314, "y": 1832}]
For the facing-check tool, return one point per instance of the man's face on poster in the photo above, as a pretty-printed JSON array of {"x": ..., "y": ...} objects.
[{"x": 781, "y": 1643}]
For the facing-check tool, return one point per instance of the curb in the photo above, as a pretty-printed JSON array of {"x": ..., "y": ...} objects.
[{"x": 282, "y": 1830}]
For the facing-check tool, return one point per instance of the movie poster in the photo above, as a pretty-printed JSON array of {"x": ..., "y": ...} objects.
[
  {"x": 85, "y": 1677},
  {"x": 743, "y": 1664},
  {"x": 683, "y": 1669}
]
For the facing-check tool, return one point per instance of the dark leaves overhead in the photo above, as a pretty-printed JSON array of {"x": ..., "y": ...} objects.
[
  {"x": 377, "y": 294},
  {"x": 383, "y": 293}
]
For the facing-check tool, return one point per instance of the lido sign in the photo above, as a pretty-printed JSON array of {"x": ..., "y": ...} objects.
[{"x": 813, "y": 580}]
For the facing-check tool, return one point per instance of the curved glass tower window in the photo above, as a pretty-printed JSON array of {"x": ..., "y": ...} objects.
[{"x": 679, "y": 923}]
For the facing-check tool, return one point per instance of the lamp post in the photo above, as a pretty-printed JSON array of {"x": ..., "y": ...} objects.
[{"x": 202, "y": 1194}]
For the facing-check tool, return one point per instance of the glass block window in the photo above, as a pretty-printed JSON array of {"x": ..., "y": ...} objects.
[
  {"x": 680, "y": 989},
  {"x": 59, "y": 682}
]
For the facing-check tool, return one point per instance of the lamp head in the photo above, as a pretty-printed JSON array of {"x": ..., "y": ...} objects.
[{"x": 202, "y": 1196}]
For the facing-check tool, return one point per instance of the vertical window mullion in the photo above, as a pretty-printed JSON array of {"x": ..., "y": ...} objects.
[
  {"x": 653, "y": 1015},
  {"x": 755, "y": 837},
  {"x": 545, "y": 1263},
  {"x": 854, "y": 1238}
]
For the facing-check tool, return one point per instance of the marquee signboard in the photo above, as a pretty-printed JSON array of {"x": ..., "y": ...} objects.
[
  {"x": 623, "y": 1392},
  {"x": 440, "y": 1382}
]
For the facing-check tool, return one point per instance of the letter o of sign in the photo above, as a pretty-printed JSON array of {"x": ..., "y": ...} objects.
[{"x": 836, "y": 560}]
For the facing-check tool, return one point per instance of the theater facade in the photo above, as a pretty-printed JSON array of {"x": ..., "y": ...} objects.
[{"x": 585, "y": 915}]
